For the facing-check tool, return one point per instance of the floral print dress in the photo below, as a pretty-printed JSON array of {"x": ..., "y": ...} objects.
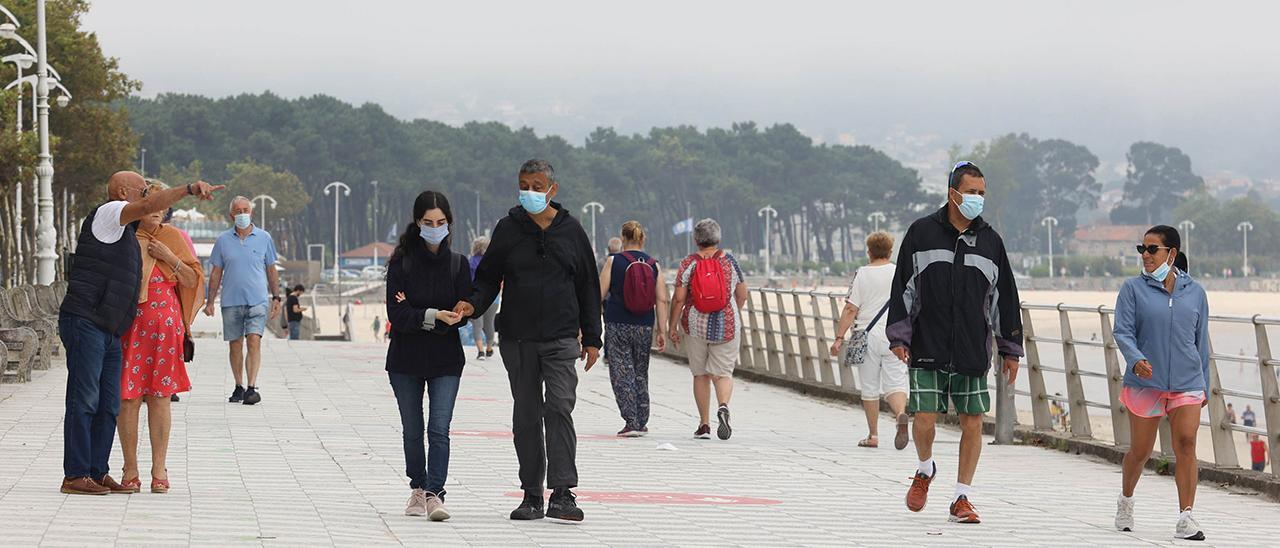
[{"x": 153, "y": 347}]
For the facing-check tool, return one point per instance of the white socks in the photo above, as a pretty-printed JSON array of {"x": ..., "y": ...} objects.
[
  {"x": 962, "y": 490},
  {"x": 926, "y": 467},
  {"x": 1185, "y": 513}
]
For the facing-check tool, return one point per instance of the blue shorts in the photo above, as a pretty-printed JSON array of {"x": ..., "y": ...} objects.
[{"x": 241, "y": 320}]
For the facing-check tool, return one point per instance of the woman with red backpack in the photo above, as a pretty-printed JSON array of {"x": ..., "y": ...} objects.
[
  {"x": 709, "y": 296},
  {"x": 635, "y": 297}
]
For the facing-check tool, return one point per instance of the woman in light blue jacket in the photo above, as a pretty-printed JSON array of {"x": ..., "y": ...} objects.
[{"x": 1162, "y": 329}]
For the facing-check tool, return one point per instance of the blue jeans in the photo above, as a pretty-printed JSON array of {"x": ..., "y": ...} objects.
[
  {"x": 427, "y": 467},
  {"x": 295, "y": 330},
  {"x": 94, "y": 361}
]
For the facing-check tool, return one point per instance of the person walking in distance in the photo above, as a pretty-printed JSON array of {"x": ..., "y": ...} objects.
[
  {"x": 635, "y": 298},
  {"x": 542, "y": 261},
  {"x": 293, "y": 311},
  {"x": 425, "y": 357},
  {"x": 706, "y": 320},
  {"x": 99, "y": 308},
  {"x": 1162, "y": 329},
  {"x": 953, "y": 294},
  {"x": 244, "y": 270},
  {"x": 484, "y": 327},
  {"x": 880, "y": 372}
]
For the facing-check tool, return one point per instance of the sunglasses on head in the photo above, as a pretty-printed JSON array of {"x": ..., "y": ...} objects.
[{"x": 1150, "y": 249}]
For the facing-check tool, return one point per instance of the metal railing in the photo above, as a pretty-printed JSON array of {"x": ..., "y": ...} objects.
[{"x": 786, "y": 334}]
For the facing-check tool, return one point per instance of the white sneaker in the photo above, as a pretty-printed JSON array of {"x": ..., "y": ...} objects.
[
  {"x": 417, "y": 503},
  {"x": 1124, "y": 514},
  {"x": 1188, "y": 528}
]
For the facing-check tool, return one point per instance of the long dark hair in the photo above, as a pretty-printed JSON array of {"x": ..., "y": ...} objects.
[
  {"x": 426, "y": 201},
  {"x": 1170, "y": 238}
]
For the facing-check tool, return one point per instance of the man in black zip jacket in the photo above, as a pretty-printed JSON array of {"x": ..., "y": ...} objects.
[
  {"x": 542, "y": 261},
  {"x": 953, "y": 298}
]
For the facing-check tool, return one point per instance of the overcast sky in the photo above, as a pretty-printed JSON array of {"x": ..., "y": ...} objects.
[{"x": 908, "y": 77}]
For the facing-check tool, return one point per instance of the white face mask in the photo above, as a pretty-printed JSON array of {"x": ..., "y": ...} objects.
[{"x": 243, "y": 220}]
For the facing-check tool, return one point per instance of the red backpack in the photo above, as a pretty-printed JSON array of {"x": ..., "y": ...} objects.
[
  {"x": 639, "y": 285},
  {"x": 708, "y": 288}
]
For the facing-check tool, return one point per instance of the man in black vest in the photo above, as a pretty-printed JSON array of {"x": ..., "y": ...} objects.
[{"x": 102, "y": 289}]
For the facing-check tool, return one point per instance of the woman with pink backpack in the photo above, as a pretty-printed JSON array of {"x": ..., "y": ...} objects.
[{"x": 635, "y": 298}]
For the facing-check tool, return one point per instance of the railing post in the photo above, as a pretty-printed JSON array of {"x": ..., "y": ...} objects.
[
  {"x": 807, "y": 356},
  {"x": 790, "y": 368},
  {"x": 745, "y": 359},
  {"x": 1035, "y": 376},
  {"x": 823, "y": 361},
  {"x": 1115, "y": 381},
  {"x": 847, "y": 381},
  {"x": 775, "y": 365},
  {"x": 759, "y": 359},
  {"x": 1270, "y": 394},
  {"x": 1224, "y": 446},
  {"x": 1006, "y": 411},
  {"x": 1080, "y": 426}
]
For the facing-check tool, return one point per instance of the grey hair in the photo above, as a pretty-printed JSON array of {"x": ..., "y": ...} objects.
[
  {"x": 539, "y": 166},
  {"x": 615, "y": 244},
  {"x": 706, "y": 233},
  {"x": 232, "y": 206},
  {"x": 479, "y": 245}
]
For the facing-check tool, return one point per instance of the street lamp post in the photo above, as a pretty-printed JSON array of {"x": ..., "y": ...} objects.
[
  {"x": 265, "y": 201},
  {"x": 875, "y": 218},
  {"x": 346, "y": 191},
  {"x": 1244, "y": 228},
  {"x": 143, "y": 167},
  {"x": 767, "y": 212},
  {"x": 1049, "y": 223},
  {"x": 375, "y": 222},
  {"x": 593, "y": 208},
  {"x": 46, "y": 255}
]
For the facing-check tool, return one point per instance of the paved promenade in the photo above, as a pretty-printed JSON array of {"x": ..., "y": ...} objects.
[{"x": 319, "y": 462}]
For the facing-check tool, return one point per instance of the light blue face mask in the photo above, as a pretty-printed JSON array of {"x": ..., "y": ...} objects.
[
  {"x": 243, "y": 220},
  {"x": 971, "y": 205},
  {"x": 533, "y": 202},
  {"x": 1160, "y": 273},
  {"x": 434, "y": 234}
]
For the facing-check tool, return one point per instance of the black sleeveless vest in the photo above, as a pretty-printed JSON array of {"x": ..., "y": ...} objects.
[{"x": 104, "y": 279}]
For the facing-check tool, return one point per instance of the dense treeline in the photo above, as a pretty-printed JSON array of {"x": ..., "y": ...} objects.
[{"x": 823, "y": 193}]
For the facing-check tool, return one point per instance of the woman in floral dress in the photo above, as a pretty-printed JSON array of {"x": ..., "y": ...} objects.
[{"x": 172, "y": 284}]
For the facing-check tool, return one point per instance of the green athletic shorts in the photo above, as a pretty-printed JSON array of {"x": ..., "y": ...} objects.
[{"x": 930, "y": 390}]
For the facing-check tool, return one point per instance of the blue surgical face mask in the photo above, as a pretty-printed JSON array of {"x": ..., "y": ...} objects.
[
  {"x": 971, "y": 205},
  {"x": 533, "y": 202},
  {"x": 434, "y": 234},
  {"x": 1161, "y": 272},
  {"x": 243, "y": 220}
]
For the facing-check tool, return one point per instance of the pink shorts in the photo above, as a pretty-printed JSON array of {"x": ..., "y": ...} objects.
[{"x": 1150, "y": 403}]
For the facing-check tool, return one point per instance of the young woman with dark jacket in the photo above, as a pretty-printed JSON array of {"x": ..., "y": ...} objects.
[{"x": 424, "y": 280}]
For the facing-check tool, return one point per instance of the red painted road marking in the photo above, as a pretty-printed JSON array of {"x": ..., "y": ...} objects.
[
  {"x": 483, "y": 434},
  {"x": 641, "y": 497}
]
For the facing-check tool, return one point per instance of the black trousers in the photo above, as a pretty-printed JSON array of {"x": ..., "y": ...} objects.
[{"x": 535, "y": 369}]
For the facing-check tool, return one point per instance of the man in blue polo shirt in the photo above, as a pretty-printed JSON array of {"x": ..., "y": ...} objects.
[{"x": 243, "y": 262}]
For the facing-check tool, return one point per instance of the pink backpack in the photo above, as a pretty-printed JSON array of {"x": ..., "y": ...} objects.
[{"x": 639, "y": 285}]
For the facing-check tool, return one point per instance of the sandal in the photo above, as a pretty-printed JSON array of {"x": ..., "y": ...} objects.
[
  {"x": 869, "y": 441},
  {"x": 135, "y": 484},
  {"x": 159, "y": 485}
]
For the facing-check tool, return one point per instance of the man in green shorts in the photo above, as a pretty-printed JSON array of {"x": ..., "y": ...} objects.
[{"x": 953, "y": 299}]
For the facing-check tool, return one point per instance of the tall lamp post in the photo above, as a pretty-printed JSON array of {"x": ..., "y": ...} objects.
[
  {"x": 346, "y": 191},
  {"x": 875, "y": 218},
  {"x": 1049, "y": 223},
  {"x": 266, "y": 200},
  {"x": 1244, "y": 228},
  {"x": 46, "y": 255},
  {"x": 594, "y": 208},
  {"x": 767, "y": 212},
  {"x": 1186, "y": 227}
]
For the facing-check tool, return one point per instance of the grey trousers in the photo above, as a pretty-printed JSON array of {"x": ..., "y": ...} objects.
[{"x": 530, "y": 366}]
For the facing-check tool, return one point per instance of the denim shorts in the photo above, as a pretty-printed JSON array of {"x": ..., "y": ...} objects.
[{"x": 241, "y": 320}]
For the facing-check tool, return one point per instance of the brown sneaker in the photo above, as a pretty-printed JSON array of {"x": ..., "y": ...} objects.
[
  {"x": 115, "y": 486},
  {"x": 918, "y": 494},
  {"x": 83, "y": 486},
  {"x": 962, "y": 511}
]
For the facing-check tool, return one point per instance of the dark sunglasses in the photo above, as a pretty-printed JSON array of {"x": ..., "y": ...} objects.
[{"x": 1150, "y": 249}]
